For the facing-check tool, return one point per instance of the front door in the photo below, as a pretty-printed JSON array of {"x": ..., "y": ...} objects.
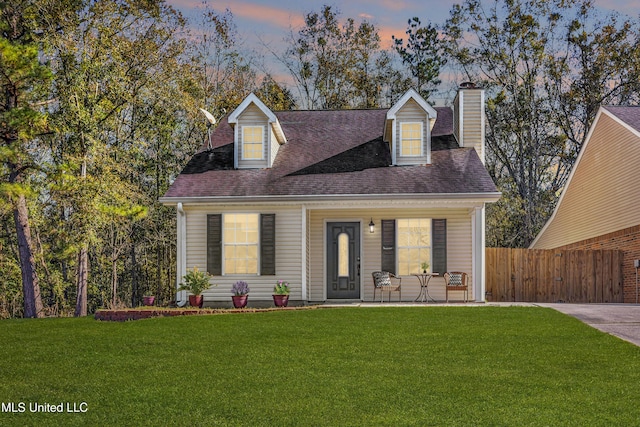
[{"x": 343, "y": 260}]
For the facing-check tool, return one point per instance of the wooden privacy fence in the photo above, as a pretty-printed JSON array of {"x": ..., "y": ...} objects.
[{"x": 534, "y": 275}]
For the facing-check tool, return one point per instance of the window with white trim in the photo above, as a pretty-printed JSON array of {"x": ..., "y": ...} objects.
[
  {"x": 252, "y": 142},
  {"x": 240, "y": 243},
  {"x": 414, "y": 245},
  {"x": 411, "y": 139}
]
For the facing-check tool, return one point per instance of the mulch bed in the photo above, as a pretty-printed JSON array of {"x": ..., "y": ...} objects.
[{"x": 122, "y": 315}]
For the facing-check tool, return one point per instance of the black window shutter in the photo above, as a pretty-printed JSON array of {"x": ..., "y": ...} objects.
[
  {"x": 268, "y": 244},
  {"x": 214, "y": 244},
  {"x": 439, "y": 245},
  {"x": 388, "y": 261}
]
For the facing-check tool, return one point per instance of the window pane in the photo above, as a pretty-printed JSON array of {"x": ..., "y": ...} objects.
[
  {"x": 414, "y": 244},
  {"x": 343, "y": 255},
  {"x": 241, "y": 243},
  {"x": 242, "y": 267},
  {"x": 230, "y": 251},
  {"x": 241, "y": 252},
  {"x": 252, "y": 236},
  {"x": 411, "y": 139},
  {"x": 252, "y": 222},
  {"x": 252, "y": 252},
  {"x": 252, "y": 142},
  {"x": 230, "y": 266}
]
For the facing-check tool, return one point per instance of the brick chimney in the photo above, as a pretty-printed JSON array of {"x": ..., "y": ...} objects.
[{"x": 469, "y": 118}]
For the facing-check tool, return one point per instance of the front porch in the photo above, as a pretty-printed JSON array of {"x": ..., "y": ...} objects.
[
  {"x": 307, "y": 250},
  {"x": 463, "y": 242}
]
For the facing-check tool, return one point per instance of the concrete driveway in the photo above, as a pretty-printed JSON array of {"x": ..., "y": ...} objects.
[{"x": 621, "y": 320}]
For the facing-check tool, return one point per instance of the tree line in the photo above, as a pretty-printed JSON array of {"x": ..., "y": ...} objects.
[{"x": 99, "y": 112}]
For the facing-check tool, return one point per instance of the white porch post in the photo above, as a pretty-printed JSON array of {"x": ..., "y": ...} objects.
[
  {"x": 478, "y": 252},
  {"x": 305, "y": 260},
  {"x": 181, "y": 255}
]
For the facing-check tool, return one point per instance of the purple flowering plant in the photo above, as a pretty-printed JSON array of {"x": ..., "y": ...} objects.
[{"x": 240, "y": 288}]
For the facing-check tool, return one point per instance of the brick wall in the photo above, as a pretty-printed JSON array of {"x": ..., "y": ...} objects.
[{"x": 626, "y": 240}]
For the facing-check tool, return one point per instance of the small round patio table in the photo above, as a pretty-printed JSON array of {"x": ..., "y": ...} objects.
[{"x": 424, "y": 279}]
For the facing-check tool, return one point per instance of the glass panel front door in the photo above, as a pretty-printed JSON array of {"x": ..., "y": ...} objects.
[{"x": 343, "y": 260}]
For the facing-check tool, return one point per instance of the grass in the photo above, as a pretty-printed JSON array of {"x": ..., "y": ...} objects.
[{"x": 348, "y": 366}]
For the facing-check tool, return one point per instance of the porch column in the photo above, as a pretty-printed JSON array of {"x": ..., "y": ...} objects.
[
  {"x": 181, "y": 253},
  {"x": 305, "y": 258},
  {"x": 478, "y": 252}
]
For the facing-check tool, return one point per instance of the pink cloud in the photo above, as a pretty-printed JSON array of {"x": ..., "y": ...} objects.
[
  {"x": 385, "y": 34},
  {"x": 266, "y": 14},
  {"x": 394, "y": 5}
]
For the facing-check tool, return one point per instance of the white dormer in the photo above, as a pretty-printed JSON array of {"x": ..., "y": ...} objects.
[
  {"x": 257, "y": 134},
  {"x": 408, "y": 129}
]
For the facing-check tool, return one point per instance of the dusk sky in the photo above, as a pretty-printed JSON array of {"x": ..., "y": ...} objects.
[{"x": 270, "y": 21}]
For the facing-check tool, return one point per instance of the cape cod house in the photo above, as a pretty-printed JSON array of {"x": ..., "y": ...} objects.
[
  {"x": 599, "y": 207},
  {"x": 321, "y": 199}
]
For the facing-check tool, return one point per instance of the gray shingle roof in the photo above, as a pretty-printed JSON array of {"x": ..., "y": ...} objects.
[
  {"x": 334, "y": 153},
  {"x": 629, "y": 115}
]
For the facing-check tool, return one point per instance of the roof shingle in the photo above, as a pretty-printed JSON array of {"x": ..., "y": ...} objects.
[
  {"x": 629, "y": 115},
  {"x": 334, "y": 153}
]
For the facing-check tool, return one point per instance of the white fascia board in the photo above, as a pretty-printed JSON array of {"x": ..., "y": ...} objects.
[
  {"x": 271, "y": 117},
  {"x": 412, "y": 94},
  {"x": 278, "y": 132},
  {"x": 252, "y": 98},
  {"x": 470, "y": 199}
]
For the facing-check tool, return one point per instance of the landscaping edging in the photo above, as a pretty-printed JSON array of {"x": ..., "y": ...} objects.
[{"x": 146, "y": 313}]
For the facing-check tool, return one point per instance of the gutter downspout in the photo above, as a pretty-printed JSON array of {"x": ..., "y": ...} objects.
[{"x": 181, "y": 248}]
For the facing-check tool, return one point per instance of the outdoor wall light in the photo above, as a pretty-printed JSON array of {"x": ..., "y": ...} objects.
[{"x": 371, "y": 226}]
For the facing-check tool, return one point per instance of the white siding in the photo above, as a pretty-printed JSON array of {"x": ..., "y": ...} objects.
[
  {"x": 459, "y": 248},
  {"x": 288, "y": 252},
  {"x": 469, "y": 119},
  {"x": 274, "y": 147},
  {"x": 412, "y": 112},
  {"x": 253, "y": 116}
]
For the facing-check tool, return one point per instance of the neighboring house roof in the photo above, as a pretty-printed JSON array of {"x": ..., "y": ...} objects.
[
  {"x": 334, "y": 153},
  {"x": 628, "y": 115},
  {"x": 600, "y": 195}
]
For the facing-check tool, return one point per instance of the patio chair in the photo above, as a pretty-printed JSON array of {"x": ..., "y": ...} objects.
[
  {"x": 385, "y": 281},
  {"x": 456, "y": 281}
]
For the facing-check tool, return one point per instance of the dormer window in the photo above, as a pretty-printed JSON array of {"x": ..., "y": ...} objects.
[
  {"x": 411, "y": 140},
  {"x": 257, "y": 135},
  {"x": 252, "y": 142},
  {"x": 408, "y": 130}
]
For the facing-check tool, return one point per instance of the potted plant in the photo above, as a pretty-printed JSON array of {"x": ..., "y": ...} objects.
[
  {"x": 195, "y": 281},
  {"x": 240, "y": 291},
  {"x": 148, "y": 300},
  {"x": 281, "y": 293},
  {"x": 425, "y": 267}
]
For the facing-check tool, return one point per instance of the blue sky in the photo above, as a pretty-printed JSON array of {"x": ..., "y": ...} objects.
[{"x": 270, "y": 21}]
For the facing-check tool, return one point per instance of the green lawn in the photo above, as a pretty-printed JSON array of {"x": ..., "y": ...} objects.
[{"x": 438, "y": 366}]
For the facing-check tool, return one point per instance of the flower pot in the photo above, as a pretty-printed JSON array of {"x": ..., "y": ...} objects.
[
  {"x": 280, "y": 300},
  {"x": 196, "y": 301},
  {"x": 148, "y": 300},
  {"x": 239, "y": 301}
]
